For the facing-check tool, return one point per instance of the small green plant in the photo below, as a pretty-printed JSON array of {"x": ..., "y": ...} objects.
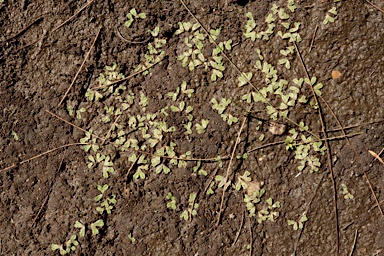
[
  {"x": 133, "y": 240},
  {"x": 192, "y": 208},
  {"x": 107, "y": 204},
  {"x": 95, "y": 226},
  {"x": 328, "y": 17},
  {"x": 346, "y": 193},
  {"x": 132, "y": 15},
  {"x": 154, "y": 54},
  {"x": 92, "y": 142},
  {"x": 110, "y": 75},
  {"x": 15, "y": 136},
  {"x": 69, "y": 246},
  {"x": 172, "y": 203},
  {"x": 268, "y": 213},
  {"x": 252, "y": 200},
  {"x": 298, "y": 224},
  {"x": 79, "y": 111},
  {"x": 200, "y": 128},
  {"x": 81, "y": 226},
  {"x": 242, "y": 181}
]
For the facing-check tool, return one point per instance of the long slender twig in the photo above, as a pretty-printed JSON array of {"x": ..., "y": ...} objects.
[
  {"x": 313, "y": 38},
  {"x": 239, "y": 231},
  {"x": 65, "y": 121},
  {"x": 297, "y": 144},
  {"x": 74, "y": 15},
  {"x": 50, "y": 190},
  {"x": 40, "y": 155},
  {"x": 227, "y": 182},
  {"x": 377, "y": 7},
  {"x": 129, "y": 170},
  {"x": 81, "y": 67},
  {"x": 25, "y": 29},
  {"x": 374, "y": 195},
  {"x": 110, "y": 130},
  {"x": 354, "y": 243},
  {"x": 376, "y": 156},
  {"x": 306, "y": 211},
  {"x": 250, "y": 236},
  {"x": 321, "y": 118},
  {"x": 128, "y": 77}
]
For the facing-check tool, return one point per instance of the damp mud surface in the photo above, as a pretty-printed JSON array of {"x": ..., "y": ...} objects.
[{"x": 158, "y": 152}]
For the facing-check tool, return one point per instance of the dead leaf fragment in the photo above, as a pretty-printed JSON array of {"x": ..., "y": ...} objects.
[
  {"x": 276, "y": 128},
  {"x": 253, "y": 186},
  {"x": 336, "y": 74}
]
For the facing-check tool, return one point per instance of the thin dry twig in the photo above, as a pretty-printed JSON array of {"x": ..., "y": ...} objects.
[
  {"x": 128, "y": 77},
  {"x": 374, "y": 195},
  {"x": 306, "y": 211},
  {"x": 297, "y": 144},
  {"x": 376, "y": 156},
  {"x": 74, "y": 15},
  {"x": 239, "y": 231},
  {"x": 82, "y": 64},
  {"x": 126, "y": 40},
  {"x": 250, "y": 236},
  {"x": 313, "y": 38},
  {"x": 209, "y": 182},
  {"x": 25, "y": 29},
  {"x": 377, "y": 7},
  {"x": 65, "y": 121},
  {"x": 49, "y": 192},
  {"x": 321, "y": 118},
  {"x": 40, "y": 155},
  {"x": 126, "y": 176},
  {"x": 227, "y": 183},
  {"x": 110, "y": 130},
  {"x": 354, "y": 244}
]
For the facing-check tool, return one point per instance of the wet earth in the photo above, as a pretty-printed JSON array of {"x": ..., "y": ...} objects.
[{"x": 152, "y": 165}]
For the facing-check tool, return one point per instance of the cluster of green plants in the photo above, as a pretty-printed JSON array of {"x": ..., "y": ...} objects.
[{"x": 146, "y": 138}]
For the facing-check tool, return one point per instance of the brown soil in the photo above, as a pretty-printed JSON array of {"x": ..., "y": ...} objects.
[{"x": 41, "y": 199}]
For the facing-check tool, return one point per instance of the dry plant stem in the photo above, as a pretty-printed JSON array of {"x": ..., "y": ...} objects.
[
  {"x": 356, "y": 125},
  {"x": 250, "y": 235},
  {"x": 298, "y": 144},
  {"x": 126, "y": 40},
  {"x": 376, "y": 156},
  {"x": 25, "y": 29},
  {"x": 306, "y": 211},
  {"x": 227, "y": 183},
  {"x": 128, "y": 77},
  {"x": 326, "y": 103},
  {"x": 209, "y": 182},
  {"x": 239, "y": 231},
  {"x": 313, "y": 38},
  {"x": 110, "y": 130},
  {"x": 354, "y": 244},
  {"x": 377, "y": 7},
  {"x": 77, "y": 127},
  {"x": 239, "y": 71},
  {"x": 50, "y": 190},
  {"x": 342, "y": 129},
  {"x": 74, "y": 15},
  {"x": 40, "y": 155},
  {"x": 82, "y": 64},
  {"x": 249, "y": 151},
  {"x": 129, "y": 170},
  {"x": 185, "y": 159},
  {"x": 328, "y": 149},
  {"x": 374, "y": 195}
]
